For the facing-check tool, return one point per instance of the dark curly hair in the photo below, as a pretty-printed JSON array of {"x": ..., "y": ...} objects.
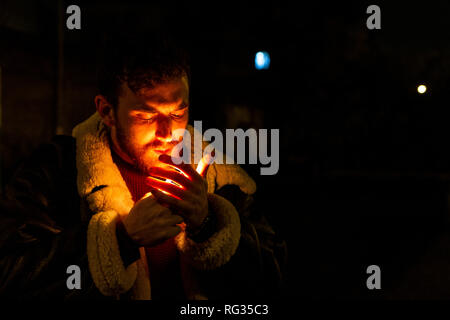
[{"x": 141, "y": 60}]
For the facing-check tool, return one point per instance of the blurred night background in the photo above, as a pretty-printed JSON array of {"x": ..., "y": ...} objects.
[{"x": 364, "y": 162}]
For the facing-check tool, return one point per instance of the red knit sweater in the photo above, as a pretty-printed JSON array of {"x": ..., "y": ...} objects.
[{"x": 163, "y": 259}]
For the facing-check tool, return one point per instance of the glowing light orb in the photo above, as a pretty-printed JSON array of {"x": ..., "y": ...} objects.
[
  {"x": 262, "y": 60},
  {"x": 421, "y": 89}
]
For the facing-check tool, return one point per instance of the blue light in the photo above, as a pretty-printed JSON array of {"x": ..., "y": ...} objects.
[{"x": 262, "y": 60}]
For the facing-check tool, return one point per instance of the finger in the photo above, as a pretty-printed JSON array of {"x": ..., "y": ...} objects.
[
  {"x": 172, "y": 175},
  {"x": 149, "y": 199},
  {"x": 165, "y": 182},
  {"x": 177, "y": 204},
  {"x": 175, "y": 219},
  {"x": 184, "y": 168},
  {"x": 172, "y": 231},
  {"x": 165, "y": 187}
]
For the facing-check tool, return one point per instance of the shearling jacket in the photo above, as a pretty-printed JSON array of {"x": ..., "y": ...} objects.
[{"x": 61, "y": 209}]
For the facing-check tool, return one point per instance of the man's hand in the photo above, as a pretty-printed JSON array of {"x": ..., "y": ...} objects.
[
  {"x": 188, "y": 197},
  {"x": 150, "y": 223}
]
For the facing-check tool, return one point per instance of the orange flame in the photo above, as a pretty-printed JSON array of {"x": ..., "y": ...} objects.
[{"x": 203, "y": 164}]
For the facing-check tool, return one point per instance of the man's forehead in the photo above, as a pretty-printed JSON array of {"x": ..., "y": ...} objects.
[{"x": 166, "y": 92}]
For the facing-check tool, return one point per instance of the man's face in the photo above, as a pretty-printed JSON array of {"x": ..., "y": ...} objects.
[{"x": 145, "y": 121}]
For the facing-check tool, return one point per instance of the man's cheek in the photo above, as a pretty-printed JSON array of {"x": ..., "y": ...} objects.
[
  {"x": 142, "y": 135},
  {"x": 180, "y": 125}
]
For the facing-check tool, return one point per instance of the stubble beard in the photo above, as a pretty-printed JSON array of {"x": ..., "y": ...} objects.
[{"x": 136, "y": 154}]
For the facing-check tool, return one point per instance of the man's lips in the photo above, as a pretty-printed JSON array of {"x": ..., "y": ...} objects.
[{"x": 162, "y": 150}]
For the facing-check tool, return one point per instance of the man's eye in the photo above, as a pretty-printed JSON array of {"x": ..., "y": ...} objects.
[
  {"x": 178, "y": 115},
  {"x": 146, "y": 117}
]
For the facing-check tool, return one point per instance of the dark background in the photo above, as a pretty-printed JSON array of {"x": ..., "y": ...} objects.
[{"x": 364, "y": 162}]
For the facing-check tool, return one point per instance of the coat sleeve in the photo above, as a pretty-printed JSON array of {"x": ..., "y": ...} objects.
[
  {"x": 258, "y": 267},
  {"x": 41, "y": 232}
]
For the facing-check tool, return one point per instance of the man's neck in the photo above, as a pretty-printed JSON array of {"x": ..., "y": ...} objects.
[{"x": 114, "y": 145}]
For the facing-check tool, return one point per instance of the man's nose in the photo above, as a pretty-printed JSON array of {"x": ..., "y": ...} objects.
[{"x": 164, "y": 129}]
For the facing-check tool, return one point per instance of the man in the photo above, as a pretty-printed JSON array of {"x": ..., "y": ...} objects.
[{"x": 84, "y": 200}]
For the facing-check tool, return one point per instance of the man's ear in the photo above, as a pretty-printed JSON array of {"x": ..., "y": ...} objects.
[{"x": 105, "y": 110}]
